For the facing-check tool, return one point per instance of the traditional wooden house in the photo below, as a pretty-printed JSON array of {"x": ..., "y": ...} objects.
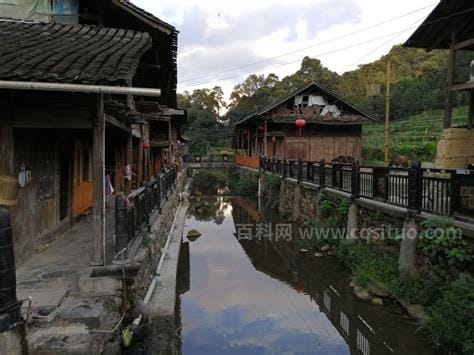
[
  {"x": 450, "y": 27},
  {"x": 329, "y": 127},
  {"x": 80, "y": 105}
]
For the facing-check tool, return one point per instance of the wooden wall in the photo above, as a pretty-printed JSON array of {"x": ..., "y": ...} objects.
[
  {"x": 326, "y": 144},
  {"x": 43, "y": 129}
]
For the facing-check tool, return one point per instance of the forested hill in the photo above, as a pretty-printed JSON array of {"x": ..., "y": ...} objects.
[
  {"x": 417, "y": 87},
  {"x": 418, "y": 80}
]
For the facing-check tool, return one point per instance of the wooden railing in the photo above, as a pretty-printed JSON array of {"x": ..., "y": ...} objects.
[{"x": 249, "y": 162}]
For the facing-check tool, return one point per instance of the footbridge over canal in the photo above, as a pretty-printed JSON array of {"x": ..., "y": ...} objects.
[{"x": 209, "y": 161}]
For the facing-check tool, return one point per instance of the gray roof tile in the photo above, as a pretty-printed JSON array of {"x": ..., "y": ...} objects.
[{"x": 69, "y": 53}]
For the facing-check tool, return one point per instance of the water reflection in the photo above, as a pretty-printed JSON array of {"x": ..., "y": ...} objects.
[{"x": 262, "y": 297}]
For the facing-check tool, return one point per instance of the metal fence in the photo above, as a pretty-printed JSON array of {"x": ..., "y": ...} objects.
[
  {"x": 134, "y": 211},
  {"x": 436, "y": 191}
]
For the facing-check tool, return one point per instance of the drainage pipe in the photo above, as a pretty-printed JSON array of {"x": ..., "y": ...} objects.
[{"x": 79, "y": 88}]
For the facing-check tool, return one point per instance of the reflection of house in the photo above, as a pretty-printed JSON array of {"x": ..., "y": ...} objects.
[
  {"x": 365, "y": 330},
  {"x": 332, "y": 127},
  {"x": 450, "y": 27},
  {"x": 75, "y": 106}
]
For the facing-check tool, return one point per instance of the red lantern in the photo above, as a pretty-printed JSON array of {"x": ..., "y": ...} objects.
[
  {"x": 145, "y": 146},
  {"x": 261, "y": 128},
  {"x": 300, "y": 123}
]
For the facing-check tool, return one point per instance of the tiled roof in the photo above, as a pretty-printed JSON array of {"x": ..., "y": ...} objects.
[
  {"x": 126, "y": 4},
  {"x": 69, "y": 53}
]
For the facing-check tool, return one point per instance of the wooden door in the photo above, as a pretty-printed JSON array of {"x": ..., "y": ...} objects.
[{"x": 82, "y": 185}]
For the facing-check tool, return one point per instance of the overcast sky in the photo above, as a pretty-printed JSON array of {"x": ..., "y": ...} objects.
[{"x": 220, "y": 40}]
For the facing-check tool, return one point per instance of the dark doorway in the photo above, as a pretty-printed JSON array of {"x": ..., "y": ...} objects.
[{"x": 64, "y": 185}]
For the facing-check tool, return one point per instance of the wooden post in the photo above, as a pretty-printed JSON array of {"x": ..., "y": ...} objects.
[
  {"x": 470, "y": 118},
  {"x": 387, "y": 115},
  {"x": 242, "y": 147},
  {"x": 140, "y": 163},
  {"x": 170, "y": 141},
  {"x": 248, "y": 143},
  {"x": 129, "y": 161},
  {"x": 6, "y": 143},
  {"x": 98, "y": 206},
  {"x": 256, "y": 141},
  {"x": 265, "y": 140},
  {"x": 448, "y": 104}
]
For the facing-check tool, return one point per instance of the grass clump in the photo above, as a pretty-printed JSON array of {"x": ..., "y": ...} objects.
[
  {"x": 450, "y": 325},
  {"x": 368, "y": 263}
]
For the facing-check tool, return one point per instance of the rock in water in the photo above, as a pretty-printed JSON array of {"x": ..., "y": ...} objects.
[
  {"x": 361, "y": 293},
  {"x": 193, "y": 235},
  {"x": 325, "y": 248},
  {"x": 378, "y": 289},
  {"x": 416, "y": 312},
  {"x": 377, "y": 301}
]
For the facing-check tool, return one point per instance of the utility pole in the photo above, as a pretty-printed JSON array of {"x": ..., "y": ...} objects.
[{"x": 387, "y": 114}]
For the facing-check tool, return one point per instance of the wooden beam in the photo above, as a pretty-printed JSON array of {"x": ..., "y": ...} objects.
[
  {"x": 448, "y": 104},
  {"x": 464, "y": 44},
  {"x": 463, "y": 86},
  {"x": 98, "y": 206}
]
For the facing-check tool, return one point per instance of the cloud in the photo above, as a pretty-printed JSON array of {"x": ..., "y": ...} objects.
[{"x": 217, "y": 35}]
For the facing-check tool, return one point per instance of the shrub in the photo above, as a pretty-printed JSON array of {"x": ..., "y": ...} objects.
[
  {"x": 422, "y": 291},
  {"x": 207, "y": 180},
  {"x": 318, "y": 237},
  {"x": 451, "y": 323},
  {"x": 273, "y": 180},
  {"x": 443, "y": 246},
  {"x": 246, "y": 186}
]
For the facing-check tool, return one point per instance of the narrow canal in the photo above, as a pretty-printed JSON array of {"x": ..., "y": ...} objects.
[{"x": 262, "y": 297}]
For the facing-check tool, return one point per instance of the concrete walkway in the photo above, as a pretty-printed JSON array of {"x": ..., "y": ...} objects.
[
  {"x": 48, "y": 274},
  {"x": 68, "y": 303},
  {"x": 162, "y": 304}
]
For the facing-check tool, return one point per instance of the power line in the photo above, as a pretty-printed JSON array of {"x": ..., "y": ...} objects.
[
  {"x": 382, "y": 45},
  {"x": 347, "y": 35},
  {"x": 297, "y": 61},
  {"x": 309, "y": 47}
]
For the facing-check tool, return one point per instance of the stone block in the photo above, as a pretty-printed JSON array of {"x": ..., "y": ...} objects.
[{"x": 99, "y": 286}]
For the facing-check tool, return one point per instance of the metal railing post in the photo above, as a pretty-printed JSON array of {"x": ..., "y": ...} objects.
[
  {"x": 121, "y": 224},
  {"x": 453, "y": 192},
  {"x": 334, "y": 176},
  {"x": 355, "y": 179},
  {"x": 414, "y": 187},
  {"x": 308, "y": 171},
  {"x": 300, "y": 170},
  {"x": 322, "y": 174}
]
